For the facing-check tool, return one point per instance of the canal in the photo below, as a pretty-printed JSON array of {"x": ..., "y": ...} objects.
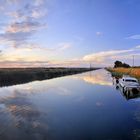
[{"x": 84, "y": 106}]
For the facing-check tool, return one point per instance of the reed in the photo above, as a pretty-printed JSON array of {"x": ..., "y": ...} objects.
[
  {"x": 13, "y": 76},
  {"x": 135, "y": 72}
]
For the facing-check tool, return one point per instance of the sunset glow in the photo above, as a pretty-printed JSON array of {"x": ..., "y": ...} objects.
[{"x": 71, "y": 33}]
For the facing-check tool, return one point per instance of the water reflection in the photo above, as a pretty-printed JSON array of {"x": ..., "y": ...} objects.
[
  {"x": 96, "y": 77},
  {"x": 78, "y": 107},
  {"x": 131, "y": 95},
  {"x": 22, "y": 118}
]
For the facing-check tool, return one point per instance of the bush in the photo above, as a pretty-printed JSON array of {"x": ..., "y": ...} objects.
[{"x": 120, "y": 64}]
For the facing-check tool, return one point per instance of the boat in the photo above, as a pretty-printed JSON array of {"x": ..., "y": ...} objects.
[{"x": 129, "y": 84}]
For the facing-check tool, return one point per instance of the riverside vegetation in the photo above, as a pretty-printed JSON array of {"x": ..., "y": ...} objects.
[
  {"x": 13, "y": 76},
  {"x": 121, "y": 68},
  {"x": 133, "y": 71}
]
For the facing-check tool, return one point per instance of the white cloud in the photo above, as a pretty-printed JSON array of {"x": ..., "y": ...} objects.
[
  {"x": 24, "y": 21},
  {"x": 78, "y": 38},
  {"x": 38, "y": 2},
  {"x": 134, "y": 37},
  {"x": 25, "y": 26},
  {"x": 100, "y": 56},
  {"x": 99, "y": 33},
  {"x": 38, "y": 14},
  {"x": 137, "y": 47},
  {"x": 106, "y": 58},
  {"x": 12, "y": 1},
  {"x": 64, "y": 46}
]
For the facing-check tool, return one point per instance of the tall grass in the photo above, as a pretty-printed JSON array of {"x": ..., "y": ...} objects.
[
  {"x": 12, "y": 76},
  {"x": 128, "y": 71}
]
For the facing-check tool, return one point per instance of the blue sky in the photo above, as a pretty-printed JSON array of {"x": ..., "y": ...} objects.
[{"x": 69, "y": 32}]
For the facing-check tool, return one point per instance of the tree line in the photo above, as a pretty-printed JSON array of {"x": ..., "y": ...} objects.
[{"x": 120, "y": 64}]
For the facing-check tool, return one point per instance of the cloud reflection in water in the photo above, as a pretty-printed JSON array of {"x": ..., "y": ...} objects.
[
  {"x": 21, "y": 118},
  {"x": 96, "y": 77}
]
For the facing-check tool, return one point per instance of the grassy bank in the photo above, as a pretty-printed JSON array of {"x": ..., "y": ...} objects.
[
  {"x": 12, "y": 76},
  {"x": 135, "y": 72}
]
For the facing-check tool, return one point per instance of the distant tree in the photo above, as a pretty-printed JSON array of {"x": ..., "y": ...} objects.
[
  {"x": 126, "y": 65},
  {"x": 117, "y": 64},
  {"x": 120, "y": 64}
]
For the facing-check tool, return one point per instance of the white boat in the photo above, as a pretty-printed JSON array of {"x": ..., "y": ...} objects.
[{"x": 129, "y": 84}]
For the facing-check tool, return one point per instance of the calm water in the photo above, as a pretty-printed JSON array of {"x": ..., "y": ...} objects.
[{"x": 80, "y": 107}]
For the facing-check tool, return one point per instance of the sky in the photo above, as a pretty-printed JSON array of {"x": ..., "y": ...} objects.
[{"x": 69, "y": 33}]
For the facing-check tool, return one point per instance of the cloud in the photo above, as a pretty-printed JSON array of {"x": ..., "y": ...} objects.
[
  {"x": 25, "y": 21},
  {"x": 19, "y": 33},
  {"x": 107, "y": 58},
  {"x": 100, "y": 56},
  {"x": 38, "y": 2},
  {"x": 99, "y": 33},
  {"x": 38, "y": 14},
  {"x": 15, "y": 39},
  {"x": 134, "y": 37},
  {"x": 78, "y": 38},
  {"x": 25, "y": 26},
  {"x": 137, "y": 47},
  {"x": 22, "y": 62},
  {"x": 7, "y": 64},
  {"x": 57, "y": 48},
  {"x": 64, "y": 46},
  {"x": 12, "y": 1}
]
